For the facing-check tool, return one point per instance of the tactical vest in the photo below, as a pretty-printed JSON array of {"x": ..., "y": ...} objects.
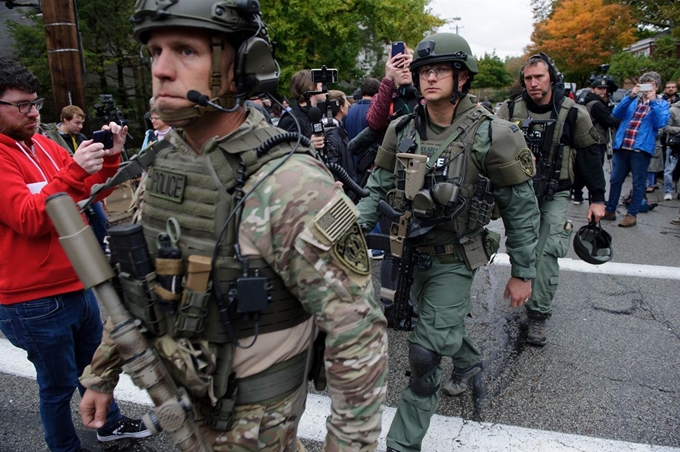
[
  {"x": 451, "y": 163},
  {"x": 198, "y": 190},
  {"x": 602, "y": 131},
  {"x": 520, "y": 113}
]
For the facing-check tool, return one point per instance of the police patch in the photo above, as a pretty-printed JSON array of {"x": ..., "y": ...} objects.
[
  {"x": 167, "y": 185},
  {"x": 525, "y": 159},
  {"x": 352, "y": 251}
]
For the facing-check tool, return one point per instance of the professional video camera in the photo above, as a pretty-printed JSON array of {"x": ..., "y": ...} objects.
[{"x": 107, "y": 110}]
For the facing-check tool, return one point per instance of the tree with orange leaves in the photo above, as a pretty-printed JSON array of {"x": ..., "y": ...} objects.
[{"x": 582, "y": 34}]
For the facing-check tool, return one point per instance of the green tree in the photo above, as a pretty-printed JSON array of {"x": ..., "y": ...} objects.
[
  {"x": 581, "y": 34},
  {"x": 659, "y": 14},
  {"x": 492, "y": 73},
  {"x": 626, "y": 66},
  {"x": 335, "y": 34}
]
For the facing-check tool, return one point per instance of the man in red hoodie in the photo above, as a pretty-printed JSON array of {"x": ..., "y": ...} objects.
[{"x": 43, "y": 307}]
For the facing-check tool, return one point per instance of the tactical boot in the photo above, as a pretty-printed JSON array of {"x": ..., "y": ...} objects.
[
  {"x": 458, "y": 382},
  {"x": 536, "y": 328}
]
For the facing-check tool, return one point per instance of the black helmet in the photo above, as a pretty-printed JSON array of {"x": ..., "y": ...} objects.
[{"x": 593, "y": 244}]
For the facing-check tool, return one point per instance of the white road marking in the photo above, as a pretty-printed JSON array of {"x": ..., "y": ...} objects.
[
  {"x": 445, "y": 433},
  {"x": 609, "y": 268}
]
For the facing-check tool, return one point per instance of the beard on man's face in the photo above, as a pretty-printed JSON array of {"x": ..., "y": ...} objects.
[{"x": 19, "y": 132}]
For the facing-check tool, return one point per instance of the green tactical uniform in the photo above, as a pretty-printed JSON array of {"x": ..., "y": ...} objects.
[
  {"x": 555, "y": 232},
  {"x": 442, "y": 292},
  {"x": 312, "y": 269}
]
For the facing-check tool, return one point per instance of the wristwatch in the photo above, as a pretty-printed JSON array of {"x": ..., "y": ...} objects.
[{"x": 523, "y": 279}]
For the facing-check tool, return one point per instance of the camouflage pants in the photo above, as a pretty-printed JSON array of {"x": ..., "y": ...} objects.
[{"x": 264, "y": 428}]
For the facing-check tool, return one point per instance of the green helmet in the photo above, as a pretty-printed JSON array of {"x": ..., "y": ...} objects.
[
  {"x": 255, "y": 70},
  {"x": 212, "y": 15},
  {"x": 444, "y": 48}
]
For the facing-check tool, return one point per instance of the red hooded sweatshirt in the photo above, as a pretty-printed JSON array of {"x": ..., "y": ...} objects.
[{"x": 32, "y": 262}]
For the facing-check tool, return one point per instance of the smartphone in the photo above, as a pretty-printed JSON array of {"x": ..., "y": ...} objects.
[
  {"x": 398, "y": 47},
  {"x": 324, "y": 75},
  {"x": 645, "y": 87},
  {"x": 104, "y": 137}
]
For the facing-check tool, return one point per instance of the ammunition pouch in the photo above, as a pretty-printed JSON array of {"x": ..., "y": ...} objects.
[
  {"x": 140, "y": 299},
  {"x": 193, "y": 310},
  {"x": 267, "y": 387}
]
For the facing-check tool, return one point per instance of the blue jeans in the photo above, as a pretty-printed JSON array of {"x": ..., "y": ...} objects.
[
  {"x": 669, "y": 167},
  {"x": 60, "y": 335},
  {"x": 97, "y": 219},
  {"x": 624, "y": 162}
]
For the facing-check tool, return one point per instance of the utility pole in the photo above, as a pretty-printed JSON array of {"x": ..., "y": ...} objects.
[{"x": 65, "y": 54}]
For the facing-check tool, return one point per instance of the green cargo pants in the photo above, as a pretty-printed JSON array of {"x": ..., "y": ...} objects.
[
  {"x": 443, "y": 296},
  {"x": 553, "y": 243}
]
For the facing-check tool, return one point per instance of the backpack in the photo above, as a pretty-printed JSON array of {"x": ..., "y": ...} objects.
[{"x": 645, "y": 206}]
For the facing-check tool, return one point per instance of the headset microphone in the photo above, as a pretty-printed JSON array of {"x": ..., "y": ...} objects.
[
  {"x": 545, "y": 93},
  {"x": 204, "y": 101},
  {"x": 315, "y": 118}
]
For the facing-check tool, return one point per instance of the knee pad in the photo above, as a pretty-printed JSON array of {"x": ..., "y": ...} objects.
[{"x": 423, "y": 363}]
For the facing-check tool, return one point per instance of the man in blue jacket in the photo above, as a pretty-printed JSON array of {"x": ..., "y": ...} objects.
[{"x": 642, "y": 115}]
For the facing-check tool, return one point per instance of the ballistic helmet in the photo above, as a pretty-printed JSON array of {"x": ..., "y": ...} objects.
[
  {"x": 593, "y": 244},
  {"x": 237, "y": 22},
  {"x": 444, "y": 48}
]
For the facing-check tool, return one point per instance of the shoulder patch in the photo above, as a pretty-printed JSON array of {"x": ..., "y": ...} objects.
[
  {"x": 336, "y": 218},
  {"x": 352, "y": 251},
  {"x": 525, "y": 159}
]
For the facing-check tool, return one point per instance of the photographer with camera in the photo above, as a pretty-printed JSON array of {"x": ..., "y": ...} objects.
[
  {"x": 642, "y": 114},
  {"x": 597, "y": 103},
  {"x": 336, "y": 135},
  {"x": 302, "y": 87},
  {"x": 44, "y": 308}
]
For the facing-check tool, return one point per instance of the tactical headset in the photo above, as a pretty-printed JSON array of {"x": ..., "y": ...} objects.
[
  {"x": 555, "y": 75},
  {"x": 256, "y": 71}
]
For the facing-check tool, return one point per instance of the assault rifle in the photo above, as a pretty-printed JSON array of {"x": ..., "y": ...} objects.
[
  {"x": 538, "y": 134},
  {"x": 410, "y": 178}
]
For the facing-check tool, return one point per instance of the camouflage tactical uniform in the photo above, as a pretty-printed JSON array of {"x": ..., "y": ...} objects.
[{"x": 285, "y": 222}]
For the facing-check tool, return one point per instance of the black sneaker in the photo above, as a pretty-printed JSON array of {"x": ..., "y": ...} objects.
[
  {"x": 125, "y": 428},
  {"x": 458, "y": 382}
]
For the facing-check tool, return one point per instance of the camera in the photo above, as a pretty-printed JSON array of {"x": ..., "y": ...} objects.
[
  {"x": 107, "y": 110},
  {"x": 324, "y": 75},
  {"x": 645, "y": 87}
]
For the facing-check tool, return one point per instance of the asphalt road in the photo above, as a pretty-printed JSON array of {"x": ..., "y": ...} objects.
[{"x": 609, "y": 370}]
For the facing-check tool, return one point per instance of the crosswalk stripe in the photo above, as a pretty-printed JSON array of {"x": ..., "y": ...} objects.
[{"x": 445, "y": 433}]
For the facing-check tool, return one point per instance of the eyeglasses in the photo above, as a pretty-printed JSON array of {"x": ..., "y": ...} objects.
[
  {"x": 439, "y": 72},
  {"x": 155, "y": 118},
  {"x": 25, "y": 107}
]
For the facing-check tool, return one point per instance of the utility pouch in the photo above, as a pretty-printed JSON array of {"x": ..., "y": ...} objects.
[
  {"x": 474, "y": 254},
  {"x": 193, "y": 308},
  {"x": 492, "y": 242},
  {"x": 140, "y": 300},
  {"x": 190, "y": 365}
]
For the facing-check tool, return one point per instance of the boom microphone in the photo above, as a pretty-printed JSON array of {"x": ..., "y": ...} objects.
[{"x": 204, "y": 101}]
